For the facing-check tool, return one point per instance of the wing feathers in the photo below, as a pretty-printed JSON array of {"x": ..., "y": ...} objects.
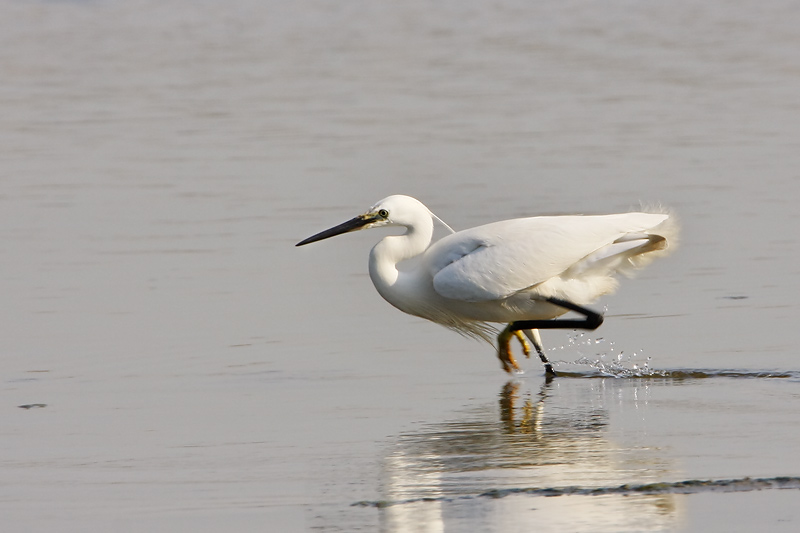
[{"x": 497, "y": 260}]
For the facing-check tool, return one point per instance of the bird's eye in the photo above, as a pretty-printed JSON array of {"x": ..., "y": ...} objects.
[{"x": 383, "y": 213}]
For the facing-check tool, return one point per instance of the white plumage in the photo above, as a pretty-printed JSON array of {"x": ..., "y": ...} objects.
[{"x": 523, "y": 269}]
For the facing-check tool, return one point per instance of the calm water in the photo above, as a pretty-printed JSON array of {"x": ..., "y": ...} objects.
[{"x": 160, "y": 160}]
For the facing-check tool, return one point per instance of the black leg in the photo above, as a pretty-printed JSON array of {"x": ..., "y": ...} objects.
[
  {"x": 592, "y": 320},
  {"x": 536, "y": 340},
  {"x": 548, "y": 368}
]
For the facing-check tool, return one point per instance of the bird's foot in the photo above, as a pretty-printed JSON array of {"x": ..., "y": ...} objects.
[
  {"x": 526, "y": 349},
  {"x": 507, "y": 360}
]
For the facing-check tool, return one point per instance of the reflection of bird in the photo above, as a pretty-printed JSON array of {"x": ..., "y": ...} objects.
[
  {"x": 523, "y": 272},
  {"x": 539, "y": 439}
]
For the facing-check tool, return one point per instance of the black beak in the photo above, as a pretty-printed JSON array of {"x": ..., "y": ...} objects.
[{"x": 351, "y": 225}]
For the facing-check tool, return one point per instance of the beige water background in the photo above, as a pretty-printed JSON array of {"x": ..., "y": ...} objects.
[{"x": 158, "y": 161}]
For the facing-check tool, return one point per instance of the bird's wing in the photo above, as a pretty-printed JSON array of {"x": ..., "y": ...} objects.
[{"x": 494, "y": 261}]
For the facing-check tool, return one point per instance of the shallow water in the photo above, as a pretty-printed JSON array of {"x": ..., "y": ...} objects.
[{"x": 170, "y": 360}]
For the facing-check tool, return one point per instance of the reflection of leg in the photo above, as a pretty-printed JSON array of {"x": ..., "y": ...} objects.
[
  {"x": 526, "y": 418},
  {"x": 536, "y": 340},
  {"x": 508, "y": 410},
  {"x": 508, "y": 400}
]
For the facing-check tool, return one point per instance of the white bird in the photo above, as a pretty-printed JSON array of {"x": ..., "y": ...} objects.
[{"x": 523, "y": 272}]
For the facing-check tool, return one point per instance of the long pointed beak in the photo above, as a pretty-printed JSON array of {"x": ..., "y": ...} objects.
[{"x": 351, "y": 225}]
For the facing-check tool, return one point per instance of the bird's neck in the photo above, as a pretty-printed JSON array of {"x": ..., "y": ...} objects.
[{"x": 390, "y": 251}]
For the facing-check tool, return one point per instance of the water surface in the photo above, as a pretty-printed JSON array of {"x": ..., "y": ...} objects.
[{"x": 182, "y": 365}]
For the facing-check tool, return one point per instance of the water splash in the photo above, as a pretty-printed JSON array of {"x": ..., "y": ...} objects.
[
  {"x": 616, "y": 368},
  {"x": 606, "y": 359}
]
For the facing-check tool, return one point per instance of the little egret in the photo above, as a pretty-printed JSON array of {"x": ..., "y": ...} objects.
[{"x": 523, "y": 272}]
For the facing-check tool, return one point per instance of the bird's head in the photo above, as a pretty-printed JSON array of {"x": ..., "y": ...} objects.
[{"x": 396, "y": 210}]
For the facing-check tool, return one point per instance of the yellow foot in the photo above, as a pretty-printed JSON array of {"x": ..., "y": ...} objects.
[
  {"x": 526, "y": 349},
  {"x": 504, "y": 351}
]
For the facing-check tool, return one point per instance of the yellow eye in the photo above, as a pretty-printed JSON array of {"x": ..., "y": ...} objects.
[{"x": 383, "y": 213}]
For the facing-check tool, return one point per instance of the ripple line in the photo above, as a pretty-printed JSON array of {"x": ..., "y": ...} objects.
[
  {"x": 683, "y": 374},
  {"x": 693, "y": 486}
]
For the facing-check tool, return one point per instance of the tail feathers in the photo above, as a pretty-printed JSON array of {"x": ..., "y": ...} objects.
[
  {"x": 615, "y": 257},
  {"x": 629, "y": 252},
  {"x": 663, "y": 241}
]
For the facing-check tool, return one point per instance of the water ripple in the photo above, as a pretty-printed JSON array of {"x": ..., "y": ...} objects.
[
  {"x": 694, "y": 486},
  {"x": 602, "y": 370}
]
